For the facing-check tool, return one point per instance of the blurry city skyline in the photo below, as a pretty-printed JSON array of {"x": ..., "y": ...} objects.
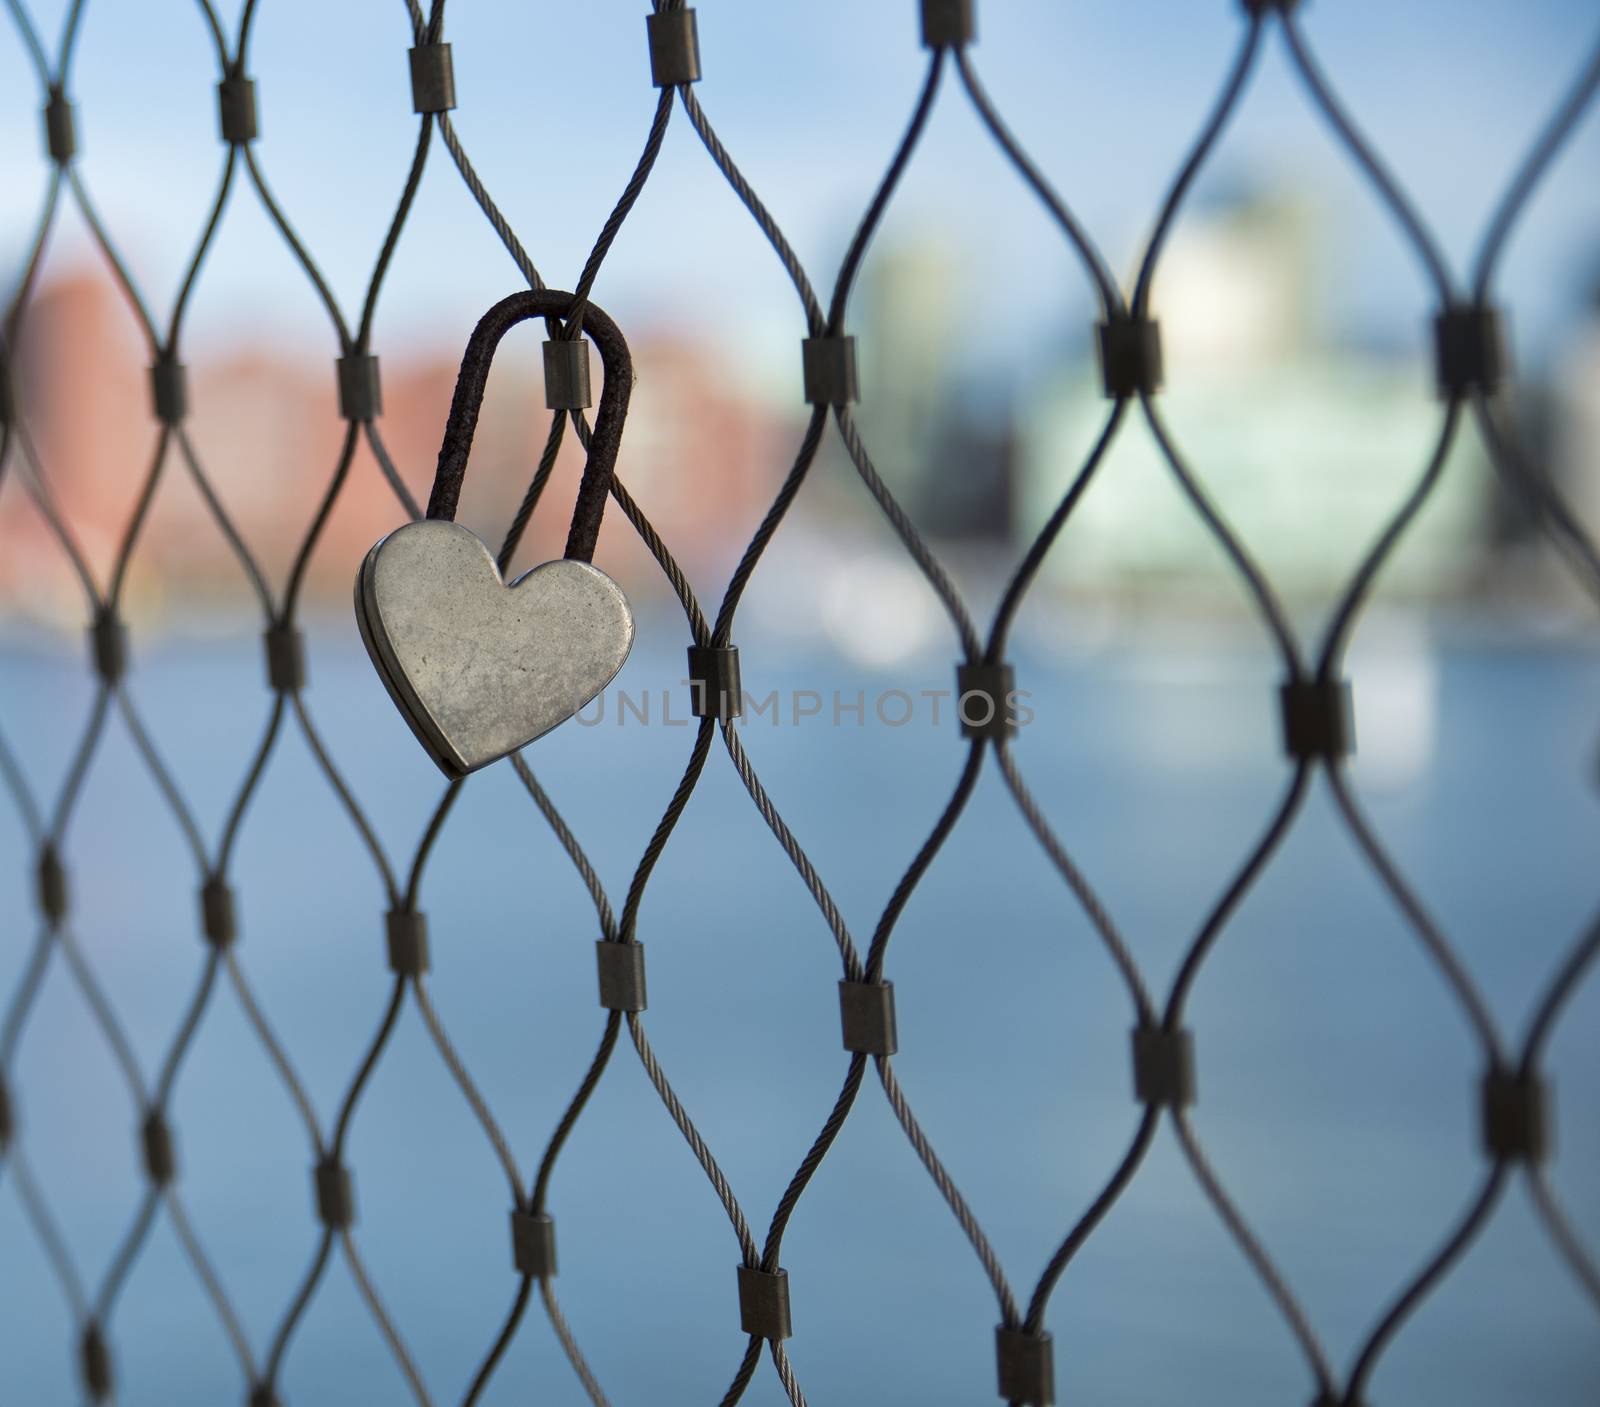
[
  {"x": 1307, "y": 439},
  {"x": 1293, "y": 314}
]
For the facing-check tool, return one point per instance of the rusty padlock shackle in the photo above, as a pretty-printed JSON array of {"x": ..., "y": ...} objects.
[{"x": 604, "y": 442}]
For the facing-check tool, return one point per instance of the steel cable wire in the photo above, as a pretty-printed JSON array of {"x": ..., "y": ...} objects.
[{"x": 48, "y": 835}]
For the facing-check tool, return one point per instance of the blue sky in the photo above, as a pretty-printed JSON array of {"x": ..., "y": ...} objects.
[{"x": 555, "y": 101}]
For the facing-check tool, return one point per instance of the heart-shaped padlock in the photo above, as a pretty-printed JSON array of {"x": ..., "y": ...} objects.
[{"x": 480, "y": 667}]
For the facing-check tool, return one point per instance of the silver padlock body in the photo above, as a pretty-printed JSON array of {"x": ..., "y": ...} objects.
[{"x": 477, "y": 667}]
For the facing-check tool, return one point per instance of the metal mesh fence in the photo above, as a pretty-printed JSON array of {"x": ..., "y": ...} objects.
[{"x": 1315, "y": 703}]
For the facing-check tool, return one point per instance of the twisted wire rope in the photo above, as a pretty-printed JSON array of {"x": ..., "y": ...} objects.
[{"x": 47, "y": 825}]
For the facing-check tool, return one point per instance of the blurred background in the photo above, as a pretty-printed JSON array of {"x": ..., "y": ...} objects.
[{"x": 1337, "y": 1074}]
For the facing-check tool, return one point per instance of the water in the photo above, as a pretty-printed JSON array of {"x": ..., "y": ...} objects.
[{"x": 1336, "y": 1073}]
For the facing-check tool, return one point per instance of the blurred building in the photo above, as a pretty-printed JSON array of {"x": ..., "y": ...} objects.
[
  {"x": 703, "y": 458},
  {"x": 950, "y": 460},
  {"x": 1306, "y": 445},
  {"x": 1576, "y": 451},
  {"x": 265, "y": 430}
]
